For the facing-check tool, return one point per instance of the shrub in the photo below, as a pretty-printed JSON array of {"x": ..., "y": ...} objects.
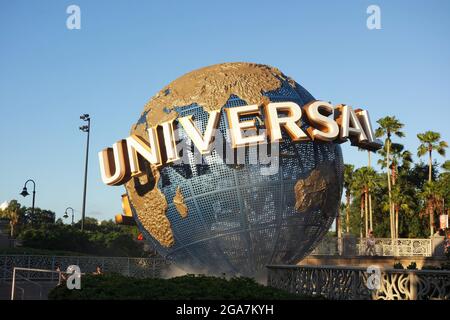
[
  {"x": 412, "y": 266},
  {"x": 104, "y": 240},
  {"x": 118, "y": 287},
  {"x": 430, "y": 268},
  {"x": 445, "y": 266},
  {"x": 398, "y": 265}
]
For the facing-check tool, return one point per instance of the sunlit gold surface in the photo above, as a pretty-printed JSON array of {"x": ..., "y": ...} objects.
[
  {"x": 212, "y": 86},
  {"x": 178, "y": 201},
  {"x": 318, "y": 191},
  {"x": 152, "y": 211},
  {"x": 127, "y": 216}
]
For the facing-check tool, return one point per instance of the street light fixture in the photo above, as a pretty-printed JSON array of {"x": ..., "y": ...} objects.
[
  {"x": 25, "y": 193},
  {"x": 65, "y": 216},
  {"x": 87, "y": 129}
]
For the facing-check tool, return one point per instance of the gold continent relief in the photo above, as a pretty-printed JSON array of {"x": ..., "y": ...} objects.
[
  {"x": 210, "y": 88},
  {"x": 178, "y": 201},
  {"x": 319, "y": 190}
]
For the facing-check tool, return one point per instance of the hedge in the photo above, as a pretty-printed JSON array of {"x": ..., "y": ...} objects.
[{"x": 189, "y": 287}]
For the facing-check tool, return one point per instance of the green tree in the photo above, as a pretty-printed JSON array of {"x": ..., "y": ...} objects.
[
  {"x": 431, "y": 141},
  {"x": 42, "y": 217},
  {"x": 348, "y": 182},
  {"x": 104, "y": 241},
  {"x": 364, "y": 180},
  {"x": 446, "y": 166},
  {"x": 401, "y": 161},
  {"x": 402, "y": 203},
  {"x": 444, "y": 183},
  {"x": 13, "y": 214},
  {"x": 432, "y": 202},
  {"x": 369, "y": 164},
  {"x": 340, "y": 222},
  {"x": 389, "y": 126}
]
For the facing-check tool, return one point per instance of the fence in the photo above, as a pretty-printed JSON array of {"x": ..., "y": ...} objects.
[
  {"x": 135, "y": 267},
  {"x": 38, "y": 289},
  {"x": 349, "y": 283},
  {"x": 383, "y": 247}
]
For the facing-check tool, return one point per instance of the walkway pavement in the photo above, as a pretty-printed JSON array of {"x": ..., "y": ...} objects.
[{"x": 26, "y": 291}]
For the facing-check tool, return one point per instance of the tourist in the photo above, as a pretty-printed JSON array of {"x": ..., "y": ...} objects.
[
  {"x": 447, "y": 243},
  {"x": 61, "y": 275},
  {"x": 370, "y": 244},
  {"x": 98, "y": 271}
]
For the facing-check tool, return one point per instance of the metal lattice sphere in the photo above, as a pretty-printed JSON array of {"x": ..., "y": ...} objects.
[{"x": 217, "y": 217}]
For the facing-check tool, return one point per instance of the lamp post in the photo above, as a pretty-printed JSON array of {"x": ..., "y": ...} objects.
[
  {"x": 65, "y": 216},
  {"x": 87, "y": 129},
  {"x": 25, "y": 193}
]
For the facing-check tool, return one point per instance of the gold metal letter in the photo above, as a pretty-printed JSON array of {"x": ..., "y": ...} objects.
[
  {"x": 326, "y": 128},
  {"x": 289, "y": 122},
  {"x": 202, "y": 142},
  {"x": 350, "y": 127},
  {"x": 236, "y": 126},
  {"x": 136, "y": 145},
  {"x": 170, "y": 141},
  {"x": 114, "y": 166},
  {"x": 373, "y": 143}
]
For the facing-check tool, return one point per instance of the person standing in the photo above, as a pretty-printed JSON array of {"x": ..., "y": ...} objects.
[
  {"x": 370, "y": 244},
  {"x": 447, "y": 244},
  {"x": 98, "y": 271}
]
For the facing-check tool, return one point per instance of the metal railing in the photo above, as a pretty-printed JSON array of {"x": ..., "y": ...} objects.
[
  {"x": 350, "y": 283},
  {"x": 383, "y": 247},
  {"x": 134, "y": 267},
  {"x": 26, "y": 280}
]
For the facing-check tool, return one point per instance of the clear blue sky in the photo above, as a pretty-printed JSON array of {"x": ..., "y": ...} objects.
[{"x": 127, "y": 50}]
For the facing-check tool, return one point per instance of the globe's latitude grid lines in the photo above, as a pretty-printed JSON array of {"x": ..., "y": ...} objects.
[{"x": 225, "y": 231}]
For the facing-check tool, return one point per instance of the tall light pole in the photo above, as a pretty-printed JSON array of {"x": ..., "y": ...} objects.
[
  {"x": 25, "y": 193},
  {"x": 87, "y": 129},
  {"x": 65, "y": 216}
]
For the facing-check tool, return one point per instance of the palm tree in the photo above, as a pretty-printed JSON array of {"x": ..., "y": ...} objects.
[
  {"x": 402, "y": 202},
  {"x": 369, "y": 164},
  {"x": 430, "y": 141},
  {"x": 446, "y": 166},
  {"x": 13, "y": 221},
  {"x": 399, "y": 158},
  {"x": 401, "y": 161},
  {"x": 444, "y": 186},
  {"x": 359, "y": 189},
  {"x": 389, "y": 126},
  {"x": 11, "y": 214},
  {"x": 431, "y": 198},
  {"x": 338, "y": 220},
  {"x": 364, "y": 180},
  {"x": 348, "y": 185}
]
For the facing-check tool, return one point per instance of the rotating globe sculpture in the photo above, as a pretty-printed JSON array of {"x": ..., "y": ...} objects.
[{"x": 217, "y": 217}]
